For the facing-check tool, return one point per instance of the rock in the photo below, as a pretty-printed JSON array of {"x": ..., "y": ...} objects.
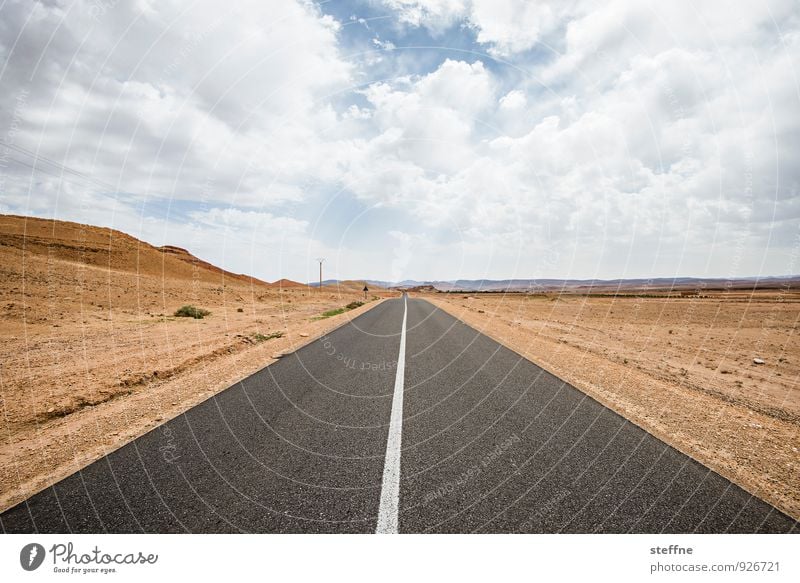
[
  {"x": 303, "y": 334},
  {"x": 51, "y": 410},
  {"x": 758, "y": 361}
]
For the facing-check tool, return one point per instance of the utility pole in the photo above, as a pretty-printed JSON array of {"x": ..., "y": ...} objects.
[{"x": 321, "y": 261}]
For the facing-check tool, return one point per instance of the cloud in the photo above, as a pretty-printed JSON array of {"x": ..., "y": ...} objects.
[
  {"x": 436, "y": 15},
  {"x": 121, "y": 114},
  {"x": 422, "y": 129},
  {"x": 667, "y": 127},
  {"x": 157, "y": 98},
  {"x": 628, "y": 138},
  {"x": 513, "y": 100},
  {"x": 505, "y": 27},
  {"x": 511, "y": 26}
]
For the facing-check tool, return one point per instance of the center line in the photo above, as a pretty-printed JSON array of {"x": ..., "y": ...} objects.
[{"x": 390, "y": 490}]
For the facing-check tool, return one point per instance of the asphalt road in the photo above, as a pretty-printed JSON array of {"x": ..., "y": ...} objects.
[{"x": 487, "y": 442}]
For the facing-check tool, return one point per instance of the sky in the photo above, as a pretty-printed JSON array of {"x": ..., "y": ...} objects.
[{"x": 414, "y": 139}]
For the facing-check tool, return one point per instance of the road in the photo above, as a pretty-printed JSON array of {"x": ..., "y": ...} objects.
[{"x": 467, "y": 436}]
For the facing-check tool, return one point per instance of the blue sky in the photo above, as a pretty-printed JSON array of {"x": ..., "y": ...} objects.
[{"x": 414, "y": 139}]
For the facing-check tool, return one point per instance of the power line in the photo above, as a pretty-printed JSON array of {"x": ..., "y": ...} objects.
[
  {"x": 59, "y": 166},
  {"x": 43, "y": 171}
]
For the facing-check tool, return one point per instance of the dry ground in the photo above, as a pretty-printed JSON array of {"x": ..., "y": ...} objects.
[
  {"x": 92, "y": 356},
  {"x": 680, "y": 368}
]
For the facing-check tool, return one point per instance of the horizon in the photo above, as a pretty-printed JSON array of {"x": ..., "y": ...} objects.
[
  {"x": 439, "y": 279},
  {"x": 409, "y": 138}
]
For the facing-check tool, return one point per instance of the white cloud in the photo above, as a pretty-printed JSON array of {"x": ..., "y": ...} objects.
[
  {"x": 423, "y": 127},
  {"x": 654, "y": 138},
  {"x": 511, "y": 26},
  {"x": 513, "y": 100},
  {"x": 158, "y": 98},
  {"x": 664, "y": 126},
  {"x": 506, "y": 27},
  {"x": 463, "y": 87},
  {"x": 437, "y": 15}
]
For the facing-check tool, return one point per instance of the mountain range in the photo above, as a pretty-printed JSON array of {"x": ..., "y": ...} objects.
[{"x": 533, "y": 285}]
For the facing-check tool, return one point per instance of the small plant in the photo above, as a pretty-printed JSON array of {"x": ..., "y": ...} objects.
[
  {"x": 330, "y": 314},
  {"x": 258, "y": 337},
  {"x": 240, "y": 310},
  {"x": 189, "y": 311},
  {"x": 337, "y": 311}
]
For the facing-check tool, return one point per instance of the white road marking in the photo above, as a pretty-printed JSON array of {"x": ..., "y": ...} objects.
[{"x": 390, "y": 490}]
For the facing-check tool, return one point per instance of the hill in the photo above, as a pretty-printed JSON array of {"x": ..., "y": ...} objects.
[
  {"x": 93, "y": 355},
  {"x": 349, "y": 285},
  {"x": 105, "y": 248},
  {"x": 286, "y": 284}
]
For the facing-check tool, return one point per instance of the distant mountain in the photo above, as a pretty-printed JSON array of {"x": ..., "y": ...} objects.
[
  {"x": 349, "y": 284},
  {"x": 369, "y": 282},
  {"x": 598, "y": 285},
  {"x": 286, "y": 284},
  {"x": 324, "y": 282},
  {"x": 654, "y": 284}
]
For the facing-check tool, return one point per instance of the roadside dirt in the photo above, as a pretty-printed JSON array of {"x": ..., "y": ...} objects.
[
  {"x": 681, "y": 368},
  {"x": 93, "y": 357}
]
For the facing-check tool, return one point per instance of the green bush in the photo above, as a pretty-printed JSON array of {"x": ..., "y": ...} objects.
[
  {"x": 337, "y": 311},
  {"x": 330, "y": 313},
  {"x": 258, "y": 337},
  {"x": 189, "y": 311}
]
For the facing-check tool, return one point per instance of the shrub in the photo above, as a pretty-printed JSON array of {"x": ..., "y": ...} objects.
[
  {"x": 331, "y": 313},
  {"x": 337, "y": 311},
  {"x": 189, "y": 311},
  {"x": 258, "y": 337},
  {"x": 240, "y": 309}
]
